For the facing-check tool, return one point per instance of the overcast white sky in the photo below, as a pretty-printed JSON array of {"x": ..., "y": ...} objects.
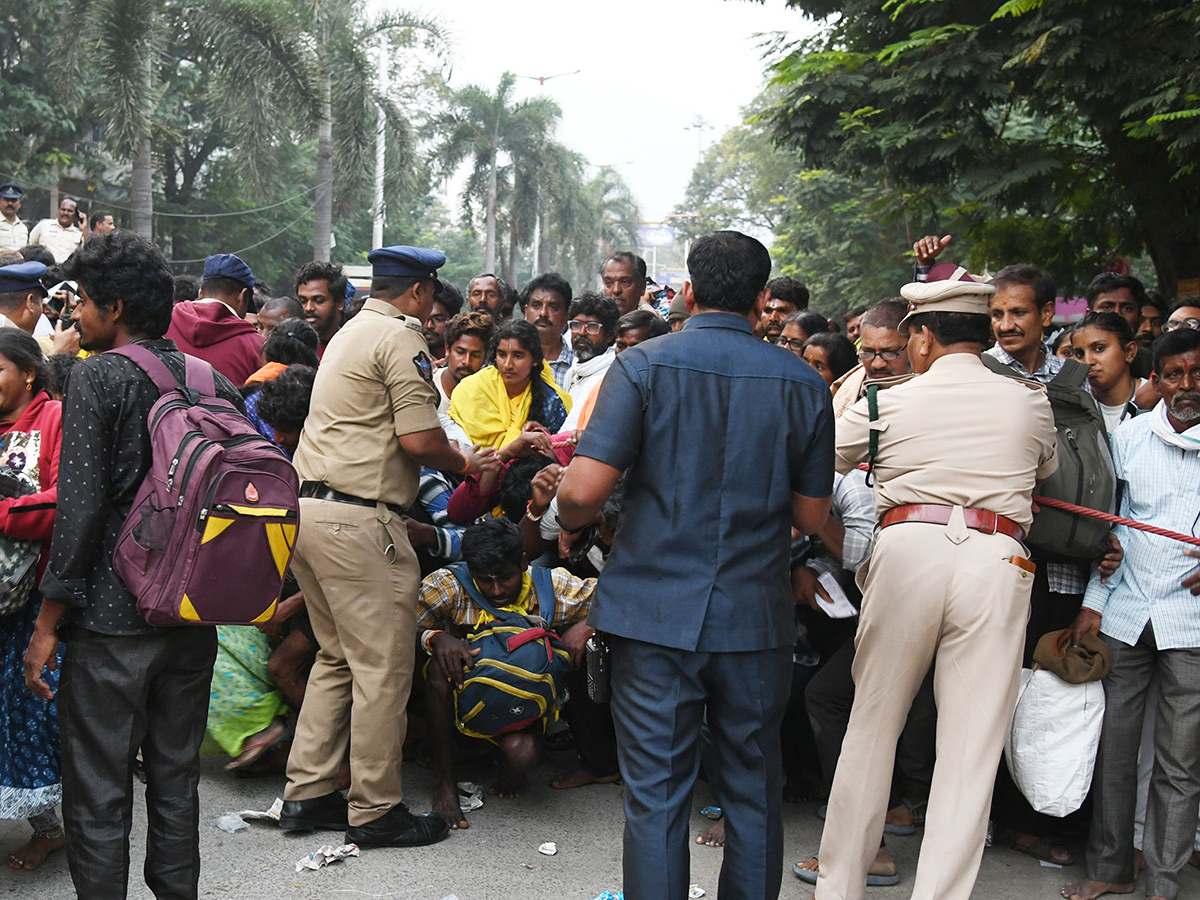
[{"x": 648, "y": 69}]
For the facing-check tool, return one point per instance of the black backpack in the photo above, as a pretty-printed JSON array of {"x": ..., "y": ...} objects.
[{"x": 1085, "y": 474}]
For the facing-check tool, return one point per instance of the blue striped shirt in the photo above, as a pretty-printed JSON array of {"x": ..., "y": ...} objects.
[{"x": 1161, "y": 486}]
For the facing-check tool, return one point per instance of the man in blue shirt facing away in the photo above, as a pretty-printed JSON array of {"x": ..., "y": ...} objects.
[{"x": 728, "y": 442}]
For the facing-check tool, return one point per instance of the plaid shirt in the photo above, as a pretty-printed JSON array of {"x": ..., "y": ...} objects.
[{"x": 443, "y": 602}]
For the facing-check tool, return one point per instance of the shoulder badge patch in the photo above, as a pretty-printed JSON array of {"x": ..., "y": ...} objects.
[{"x": 424, "y": 366}]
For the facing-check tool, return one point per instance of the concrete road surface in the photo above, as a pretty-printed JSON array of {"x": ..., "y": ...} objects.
[{"x": 496, "y": 859}]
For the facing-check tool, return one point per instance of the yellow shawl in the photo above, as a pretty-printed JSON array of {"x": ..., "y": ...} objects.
[
  {"x": 521, "y": 605},
  {"x": 481, "y": 405}
]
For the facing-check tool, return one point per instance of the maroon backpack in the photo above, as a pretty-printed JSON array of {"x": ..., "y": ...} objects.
[{"x": 213, "y": 525}]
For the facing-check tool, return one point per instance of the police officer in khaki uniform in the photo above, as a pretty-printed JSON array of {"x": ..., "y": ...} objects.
[
  {"x": 371, "y": 426},
  {"x": 960, "y": 449},
  {"x": 14, "y": 234}
]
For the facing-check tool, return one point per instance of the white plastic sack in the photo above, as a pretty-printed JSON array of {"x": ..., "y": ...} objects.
[{"x": 1051, "y": 747}]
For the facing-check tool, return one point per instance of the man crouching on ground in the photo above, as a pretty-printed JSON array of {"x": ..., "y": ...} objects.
[{"x": 500, "y": 572}]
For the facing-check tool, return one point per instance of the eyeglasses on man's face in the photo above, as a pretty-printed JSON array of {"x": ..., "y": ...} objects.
[
  {"x": 592, "y": 328},
  {"x": 1176, "y": 324},
  {"x": 888, "y": 355}
]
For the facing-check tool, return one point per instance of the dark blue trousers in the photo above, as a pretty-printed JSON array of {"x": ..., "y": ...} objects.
[{"x": 660, "y": 699}]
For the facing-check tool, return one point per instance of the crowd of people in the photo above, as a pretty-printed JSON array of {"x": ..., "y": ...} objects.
[{"x": 454, "y": 445}]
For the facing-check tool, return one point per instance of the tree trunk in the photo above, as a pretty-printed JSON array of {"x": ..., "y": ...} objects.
[
  {"x": 489, "y": 256},
  {"x": 54, "y": 201},
  {"x": 141, "y": 189},
  {"x": 514, "y": 257},
  {"x": 324, "y": 211}
]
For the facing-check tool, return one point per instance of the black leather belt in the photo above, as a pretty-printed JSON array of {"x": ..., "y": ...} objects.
[{"x": 319, "y": 490}]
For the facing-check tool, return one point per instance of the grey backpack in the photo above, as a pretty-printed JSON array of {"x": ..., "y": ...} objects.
[{"x": 1085, "y": 474}]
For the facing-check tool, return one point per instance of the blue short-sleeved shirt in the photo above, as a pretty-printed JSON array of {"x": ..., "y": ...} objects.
[{"x": 717, "y": 429}]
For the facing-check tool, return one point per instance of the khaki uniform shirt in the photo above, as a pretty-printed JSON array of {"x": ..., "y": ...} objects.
[
  {"x": 373, "y": 385},
  {"x": 61, "y": 242},
  {"x": 958, "y": 435},
  {"x": 13, "y": 235}
]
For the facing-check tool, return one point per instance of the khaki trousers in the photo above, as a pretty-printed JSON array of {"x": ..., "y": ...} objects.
[
  {"x": 964, "y": 604},
  {"x": 360, "y": 580}
]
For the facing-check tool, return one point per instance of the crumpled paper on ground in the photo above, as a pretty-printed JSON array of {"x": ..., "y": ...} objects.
[
  {"x": 272, "y": 813},
  {"x": 325, "y": 855},
  {"x": 470, "y": 796}
]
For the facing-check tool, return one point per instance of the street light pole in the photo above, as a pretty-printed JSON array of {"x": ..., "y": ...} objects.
[{"x": 380, "y": 148}]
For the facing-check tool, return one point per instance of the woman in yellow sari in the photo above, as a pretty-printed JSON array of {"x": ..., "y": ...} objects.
[{"x": 494, "y": 405}]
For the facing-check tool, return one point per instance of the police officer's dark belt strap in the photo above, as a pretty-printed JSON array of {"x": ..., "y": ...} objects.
[
  {"x": 318, "y": 490},
  {"x": 982, "y": 520}
]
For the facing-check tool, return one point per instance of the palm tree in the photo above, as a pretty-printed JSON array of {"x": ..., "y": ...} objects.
[
  {"x": 126, "y": 52},
  {"x": 341, "y": 36},
  {"x": 482, "y": 126},
  {"x": 607, "y": 220}
]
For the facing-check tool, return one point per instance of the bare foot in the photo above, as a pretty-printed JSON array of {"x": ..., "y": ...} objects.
[
  {"x": 714, "y": 835},
  {"x": 509, "y": 784},
  {"x": 41, "y": 845},
  {"x": 579, "y": 778},
  {"x": 1089, "y": 889},
  {"x": 445, "y": 805},
  {"x": 1139, "y": 862}
]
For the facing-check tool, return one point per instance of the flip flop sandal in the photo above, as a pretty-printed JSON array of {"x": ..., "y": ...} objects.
[
  {"x": 918, "y": 811},
  {"x": 1040, "y": 849},
  {"x": 257, "y": 750},
  {"x": 888, "y": 827},
  {"x": 809, "y": 876}
]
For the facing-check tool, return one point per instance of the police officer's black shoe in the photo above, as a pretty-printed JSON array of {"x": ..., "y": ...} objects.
[
  {"x": 398, "y": 828},
  {"x": 327, "y": 813}
]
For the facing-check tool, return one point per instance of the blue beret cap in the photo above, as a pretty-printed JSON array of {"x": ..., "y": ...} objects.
[
  {"x": 350, "y": 292},
  {"x": 26, "y": 276},
  {"x": 226, "y": 265},
  {"x": 10, "y": 191},
  {"x": 413, "y": 261}
]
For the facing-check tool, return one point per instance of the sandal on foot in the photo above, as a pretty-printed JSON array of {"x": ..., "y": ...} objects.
[
  {"x": 809, "y": 876},
  {"x": 888, "y": 827},
  {"x": 272, "y": 736},
  {"x": 1038, "y": 848},
  {"x": 917, "y": 810}
]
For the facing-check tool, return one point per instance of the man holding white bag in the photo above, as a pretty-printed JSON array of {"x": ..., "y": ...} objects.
[{"x": 1152, "y": 626}]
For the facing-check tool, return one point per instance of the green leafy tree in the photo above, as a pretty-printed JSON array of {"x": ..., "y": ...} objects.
[
  {"x": 123, "y": 59},
  {"x": 1075, "y": 119}
]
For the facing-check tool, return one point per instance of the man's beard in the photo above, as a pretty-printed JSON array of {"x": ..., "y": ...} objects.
[
  {"x": 585, "y": 349},
  {"x": 1189, "y": 413},
  {"x": 436, "y": 344}
]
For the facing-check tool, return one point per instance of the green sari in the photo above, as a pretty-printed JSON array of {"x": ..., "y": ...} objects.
[{"x": 243, "y": 700}]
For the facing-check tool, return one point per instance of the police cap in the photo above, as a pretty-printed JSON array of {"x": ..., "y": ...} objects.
[
  {"x": 9, "y": 191},
  {"x": 24, "y": 276},
  {"x": 960, "y": 296},
  {"x": 415, "y": 262}
]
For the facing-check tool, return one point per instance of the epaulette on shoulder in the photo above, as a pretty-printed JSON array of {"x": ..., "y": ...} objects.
[{"x": 891, "y": 380}]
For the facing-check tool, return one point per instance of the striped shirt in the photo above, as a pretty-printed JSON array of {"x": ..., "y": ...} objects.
[
  {"x": 444, "y": 603},
  {"x": 434, "y": 495},
  {"x": 1160, "y": 486}
]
